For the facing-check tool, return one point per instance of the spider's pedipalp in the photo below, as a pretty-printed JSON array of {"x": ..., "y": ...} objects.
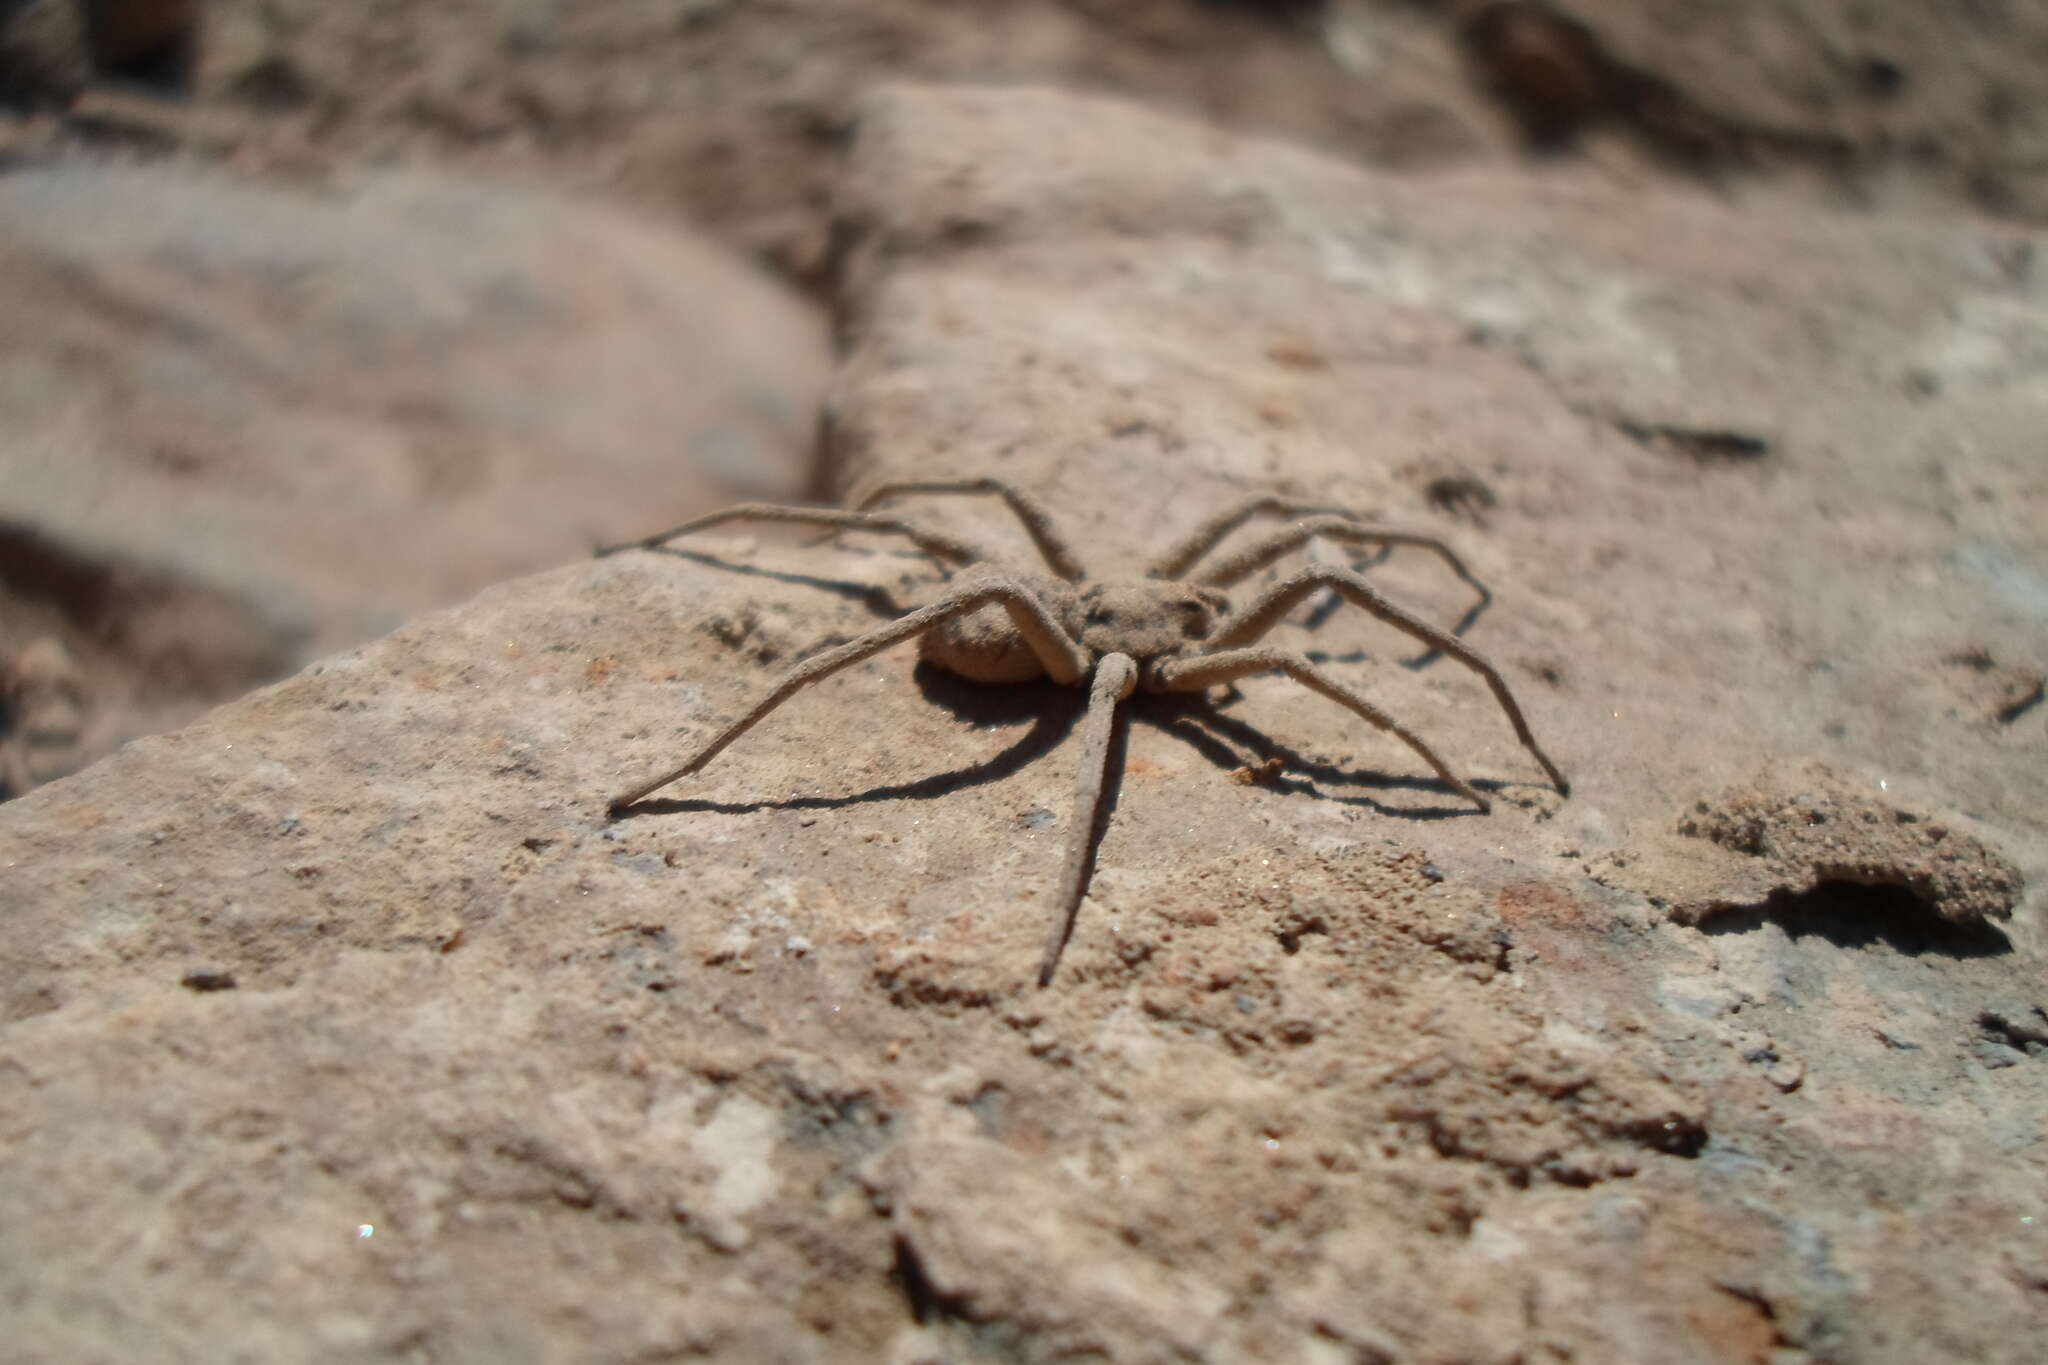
[
  {"x": 1037, "y": 522},
  {"x": 1204, "y": 671},
  {"x": 1115, "y": 678},
  {"x": 1064, "y": 660},
  {"x": 947, "y": 549},
  {"x": 1271, "y": 607}
]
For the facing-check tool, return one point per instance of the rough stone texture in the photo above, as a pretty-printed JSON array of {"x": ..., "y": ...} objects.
[
  {"x": 344, "y": 1024},
  {"x": 738, "y": 112},
  {"x": 1787, "y": 836},
  {"x": 248, "y": 426}
]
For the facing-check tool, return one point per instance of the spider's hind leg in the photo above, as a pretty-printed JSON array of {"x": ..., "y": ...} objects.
[
  {"x": 1204, "y": 671},
  {"x": 1255, "y": 620},
  {"x": 1064, "y": 661}
]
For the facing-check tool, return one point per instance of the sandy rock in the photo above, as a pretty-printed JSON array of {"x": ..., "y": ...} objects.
[
  {"x": 1334, "y": 1069},
  {"x": 1790, "y": 835},
  {"x": 739, "y": 112},
  {"x": 249, "y": 426},
  {"x": 43, "y": 711}
]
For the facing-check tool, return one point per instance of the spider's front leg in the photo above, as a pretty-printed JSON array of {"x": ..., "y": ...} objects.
[
  {"x": 1184, "y": 555},
  {"x": 1030, "y": 513},
  {"x": 1115, "y": 679},
  {"x": 1063, "y": 659},
  {"x": 1255, "y": 620},
  {"x": 1347, "y": 530}
]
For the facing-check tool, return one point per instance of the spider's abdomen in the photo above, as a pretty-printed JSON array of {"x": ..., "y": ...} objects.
[{"x": 984, "y": 646}]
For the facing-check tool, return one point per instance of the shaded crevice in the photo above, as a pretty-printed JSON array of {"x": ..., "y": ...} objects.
[
  {"x": 2025, "y": 699},
  {"x": 1556, "y": 76},
  {"x": 852, "y": 1121},
  {"x": 1680, "y": 1135},
  {"x": 1857, "y": 915},
  {"x": 2014, "y": 1033},
  {"x": 928, "y": 1303},
  {"x": 1704, "y": 446},
  {"x": 179, "y": 638},
  {"x": 1299, "y": 927},
  {"x": 151, "y": 43}
]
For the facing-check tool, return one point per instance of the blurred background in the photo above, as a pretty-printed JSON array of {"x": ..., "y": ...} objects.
[{"x": 322, "y": 315}]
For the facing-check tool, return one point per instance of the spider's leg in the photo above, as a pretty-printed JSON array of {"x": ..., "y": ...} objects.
[
  {"x": 1063, "y": 660},
  {"x": 1175, "y": 562},
  {"x": 1262, "y": 615},
  {"x": 947, "y": 549},
  {"x": 1205, "y": 671},
  {"x": 1059, "y": 556},
  {"x": 1115, "y": 677},
  {"x": 1346, "y": 530},
  {"x": 1350, "y": 531}
]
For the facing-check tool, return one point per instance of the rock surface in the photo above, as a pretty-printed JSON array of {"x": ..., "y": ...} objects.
[
  {"x": 248, "y": 426},
  {"x": 738, "y": 112},
  {"x": 1778, "y": 840},
  {"x": 345, "y": 1024}
]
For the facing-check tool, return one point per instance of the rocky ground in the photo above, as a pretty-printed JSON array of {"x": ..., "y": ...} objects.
[{"x": 347, "y": 1022}]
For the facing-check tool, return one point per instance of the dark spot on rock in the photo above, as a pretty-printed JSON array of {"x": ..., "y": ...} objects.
[
  {"x": 2025, "y": 698},
  {"x": 1297, "y": 929},
  {"x": 275, "y": 82},
  {"x": 208, "y": 981},
  {"x": 927, "y": 1302},
  {"x": 1673, "y": 1134},
  {"x": 1704, "y": 445},
  {"x": 1460, "y": 495},
  {"x": 1879, "y": 78},
  {"x": 1296, "y": 1031}
]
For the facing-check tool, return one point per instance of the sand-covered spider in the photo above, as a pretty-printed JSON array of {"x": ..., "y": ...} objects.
[{"x": 1171, "y": 631}]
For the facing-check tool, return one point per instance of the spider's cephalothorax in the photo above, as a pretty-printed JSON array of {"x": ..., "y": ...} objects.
[
  {"x": 1171, "y": 631},
  {"x": 1150, "y": 620}
]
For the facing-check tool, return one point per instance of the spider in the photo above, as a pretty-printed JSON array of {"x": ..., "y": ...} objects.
[{"x": 1171, "y": 631}]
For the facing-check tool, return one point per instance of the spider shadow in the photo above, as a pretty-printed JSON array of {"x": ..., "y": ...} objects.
[
  {"x": 1051, "y": 710},
  {"x": 1329, "y": 602},
  {"x": 1200, "y": 723},
  {"x": 877, "y": 600},
  {"x": 1854, "y": 916}
]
